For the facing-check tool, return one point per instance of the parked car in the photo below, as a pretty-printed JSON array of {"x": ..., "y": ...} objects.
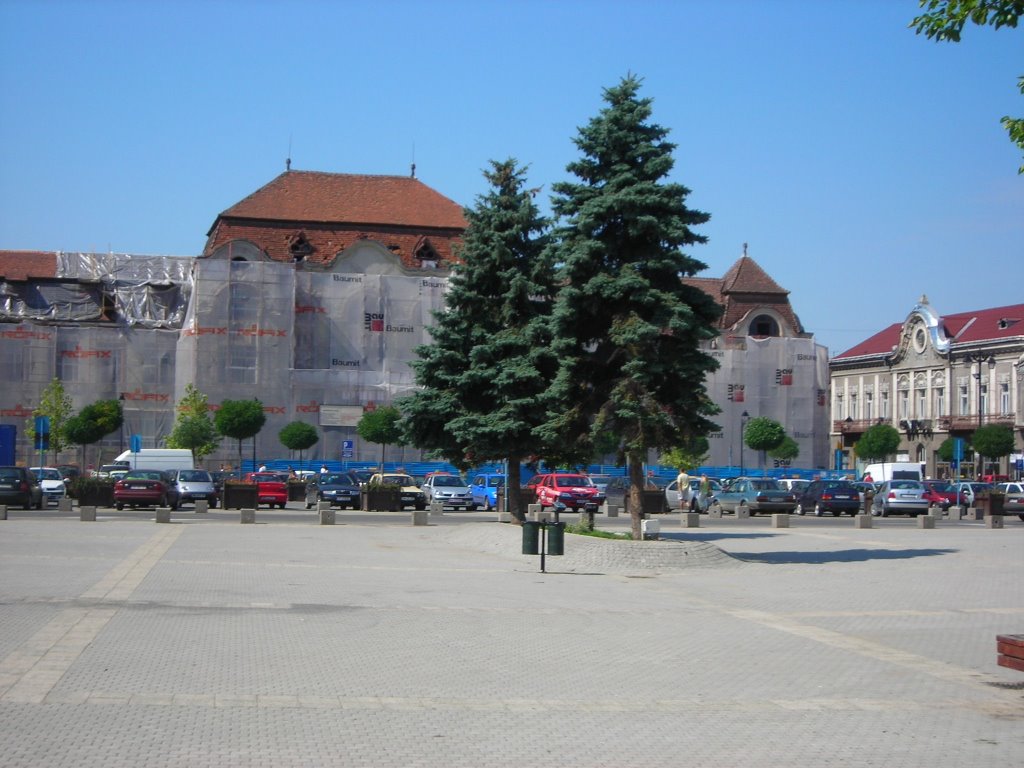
[
  {"x": 1013, "y": 502},
  {"x": 19, "y": 486},
  {"x": 574, "y": 491},
  {"x": 51, "y": 482},
  {"x": 69, "y": 472},
  {"x": 760, "y": 494},
  {"x": 863, "y": 487},
  {"x": 940, "y": 494},
  {"x": 272, "y": 489},
  {"x": 195, "y": 484},
  {"x": 341, "y": 489},
  {"x": 362, "y": 475},
  {"x": 113, "y": 471},
  {"x": 530, "y": 489},
  {"x": 484, "y": 490},
  {"x": 145, "y": 488},
  {"x": 900, "y": 497},
  {"x": 794, "y": 484},
  {"x": 968, "y": 492},
  {"x": 672, "y": 493},
  {"x": 835, "y": 496},
  {"x": 411, "y": 495},
  {"x": 451, "y": 490}
]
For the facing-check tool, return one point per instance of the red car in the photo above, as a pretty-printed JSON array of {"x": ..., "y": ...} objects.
[
  {"x": 574, "y": 491},
  {"x": 272, "y": 489},
  {"x": 146, "y": 488},
  {"x": 940, "y": 494}
]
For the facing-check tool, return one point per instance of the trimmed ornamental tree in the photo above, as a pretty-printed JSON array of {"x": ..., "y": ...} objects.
[
  {"x": 992, "y": 441},
  {"x": 763, "y": 434},
  {"x": 193, "y": 428},
  {"x": 785, "y": 451},
  {"x": 878, "y": 442},
  {"x": 691, "y": 455},
  {"x": 381, "y": 426},
  {"x": 298, "y": 436},
  {"x": 627, "y": 329},
  {"x": 485, "y": 373},
  {"x": 240, "y": 420},
  {"x": 94, "y": 422}
]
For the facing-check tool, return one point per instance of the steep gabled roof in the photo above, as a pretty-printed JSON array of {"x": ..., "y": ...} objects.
[
  {"x": 23, "y": 265},
  {"x": 746, "y": 276},
  {"x": 313, "y": 196}
]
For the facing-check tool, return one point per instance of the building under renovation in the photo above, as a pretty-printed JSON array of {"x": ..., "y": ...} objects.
[{"x": 311, "y": 296}]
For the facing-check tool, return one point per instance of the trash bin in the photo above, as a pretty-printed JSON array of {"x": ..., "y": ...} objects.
[
  {"x": 531, "y": 537},
  {"x": 556, "y": 538}
]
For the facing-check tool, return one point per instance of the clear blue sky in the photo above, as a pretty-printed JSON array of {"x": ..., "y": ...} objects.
[{"x": 864, "y": 165}]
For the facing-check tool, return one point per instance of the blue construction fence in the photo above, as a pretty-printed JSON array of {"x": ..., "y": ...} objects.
[{"x": 659, "y": 475}]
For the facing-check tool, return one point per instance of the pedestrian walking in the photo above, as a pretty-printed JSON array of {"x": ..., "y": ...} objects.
[
  {"x": 703, "y": 493},
  {"x": 683, "y": 487}
]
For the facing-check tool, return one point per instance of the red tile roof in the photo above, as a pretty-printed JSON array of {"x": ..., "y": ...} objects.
[
  {"x": 964, "y": 328},
  {"x": 313, "y": 196},
  {"x": 22, "y": 265}
]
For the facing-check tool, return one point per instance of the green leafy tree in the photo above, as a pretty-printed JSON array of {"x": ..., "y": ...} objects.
[
  {"x": 944, "y": 21},
  {"x": 946, "y": 450},
  {"x": 485, "y": 373},
  {"x": 240, "y": 420},
  {"x": 298, "y": 436},
  {"x": 787, "y": 450},
  {"x": 693, "y": 454},
  {"x": 94, "y": 422},
  {"x": 992, "y": 441},
  {"x": 382, "y": 426},
  {"x": 626, "y": 328},
  {"x": 193, "y": 428},
  {"x": 878, "y": 442},
  {"x": 55, "y": 404},
  {"x": 764, "y": 434}
]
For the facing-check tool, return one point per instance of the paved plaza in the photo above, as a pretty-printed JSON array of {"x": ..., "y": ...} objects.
[{"x": 373, "y": 642}]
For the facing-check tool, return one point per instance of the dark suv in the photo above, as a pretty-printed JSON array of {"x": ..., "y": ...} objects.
[{"x": 19, "y": 486}]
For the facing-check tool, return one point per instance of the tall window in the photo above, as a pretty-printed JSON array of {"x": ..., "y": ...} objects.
[
  {"x": 884, "y": 407},
  {"x": 854, "y": 413},
  {"x": 921, "y": 411},
  {"x": 840, "y": 404},
  {"x": 983, "y": 398},
  {"x": 964, "y": 400},
  {"x": 940, "y": 402},
  {"x": 869, "y": 403},
  {"x": 904, "y": 404},
  {"x": 1004, "y": 398}
]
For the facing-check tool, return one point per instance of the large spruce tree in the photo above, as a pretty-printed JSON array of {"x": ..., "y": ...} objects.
[
  {"x": 488, "y": 366},
  {"x": 626, "y": 328}
]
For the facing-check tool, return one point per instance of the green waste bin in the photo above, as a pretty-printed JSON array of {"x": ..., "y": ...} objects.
[
  {"x": 556, "y": 538},
  {"x": 531, "y": 537}
]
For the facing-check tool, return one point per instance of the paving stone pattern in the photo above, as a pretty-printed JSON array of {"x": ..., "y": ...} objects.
[{"x": 376, "y": 643}]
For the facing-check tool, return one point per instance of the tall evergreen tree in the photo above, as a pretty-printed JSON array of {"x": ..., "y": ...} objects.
[
  {"x": 488, "y": 366},
  {"x": 626, "y": 328}
]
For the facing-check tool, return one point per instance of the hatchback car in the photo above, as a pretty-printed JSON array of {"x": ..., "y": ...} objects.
[
  {"x": 410, "y": 493},
  {"x": 834, "y": 496},
  {"x": 760, "y": 494},
  {"x": 672, "y": 493},
  {"x": 19, "y": 486},
  {"x": 451, "y": 490},
  {"x": 969, "y": 491},
  {"x": 940, "y": 494},
  {"x": 339, "y": 489},
  {"x": 145, "y": 488},
  {"x": 573, "y": 491},
  {"x": 900, "y": 497},
  {"x": 52, "y": 483},
  {"x": 272, "y": 489},
  {"x": 484, "y": 490},
  {"x": 1013, "y": 502},
  {"x": 195, "y": 484}
]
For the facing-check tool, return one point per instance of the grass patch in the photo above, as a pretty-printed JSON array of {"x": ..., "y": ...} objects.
[{"x": 582, "y": 530}]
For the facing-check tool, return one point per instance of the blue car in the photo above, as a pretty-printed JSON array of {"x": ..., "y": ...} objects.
[{"x": 484, "y": 490}]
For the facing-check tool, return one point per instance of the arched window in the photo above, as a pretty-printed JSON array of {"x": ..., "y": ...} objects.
[
  {"x": 763, "y": 325},
  {"x": 239, "y": 250}
]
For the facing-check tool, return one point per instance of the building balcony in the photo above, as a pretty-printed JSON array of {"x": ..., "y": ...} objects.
[
  {"x": 970, "y": 423},
  {"x": 854, "y": 426}
]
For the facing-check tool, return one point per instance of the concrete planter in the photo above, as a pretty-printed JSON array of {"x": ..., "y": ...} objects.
[{"x": 240, "y": 495}]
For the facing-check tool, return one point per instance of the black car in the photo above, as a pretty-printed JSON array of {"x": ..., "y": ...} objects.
[
  {"x": 19, "y": 485},
  {"x": 835, "y": 496},
  {"x": 341, "y": 489}
]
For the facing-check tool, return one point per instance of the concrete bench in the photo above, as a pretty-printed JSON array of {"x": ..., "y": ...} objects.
[{"x": 1010, "y": 651}]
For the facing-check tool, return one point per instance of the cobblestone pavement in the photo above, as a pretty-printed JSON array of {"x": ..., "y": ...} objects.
[{"x": 377, "y": 643}]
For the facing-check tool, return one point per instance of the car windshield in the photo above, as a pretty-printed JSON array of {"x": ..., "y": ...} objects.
[
  {"x": 839, "y": 484},
  {"x": 338, "y": 480},
  {"x": 195, "y": 476},
  {"x": 496, "y": 482},
  {"x": 10, "y": 474},
  {"x": 444, "y": 481},
  {"x": 397, "y": 479},
  {"x": 906, "y": 484},
  {"x": 575, "y": 482},
  {"x": 764, "y": 485},
  {"x": 940, "y": 487},
  {"x": 143, "y": 474},
  {"x": 46, "y": 474}
]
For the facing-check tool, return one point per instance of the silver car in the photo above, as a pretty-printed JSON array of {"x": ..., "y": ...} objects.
[
  {"x": 194, "y": 484},
  {"x": 900, "y": 497},
  {"x": 450, "y": 490},
  {"x": 52, "y": 483}
]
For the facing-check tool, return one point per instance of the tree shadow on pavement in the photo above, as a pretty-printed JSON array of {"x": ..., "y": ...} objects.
[
  {"x": 837, "y": 556},
  {"x": 716, "y": 536}
]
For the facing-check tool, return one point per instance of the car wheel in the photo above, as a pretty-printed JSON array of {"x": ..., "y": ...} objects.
[
  {"x": 885, "y": 512},
  {"x": 175, "y": 505},
  {"x": 798, "y": 510},
  {"x": 487, "y": 505},
  {"x": 818, "y": 511},
  {"x": 835, "y": 512},
  {"x": 119, "y": 506}
]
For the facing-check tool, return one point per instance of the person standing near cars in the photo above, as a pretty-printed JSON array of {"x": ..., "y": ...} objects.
[
  {"x": 703, "y": 493},
  {"x": 683, "y": 487}
]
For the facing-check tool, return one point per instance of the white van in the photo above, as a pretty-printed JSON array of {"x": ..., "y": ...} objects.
[
  {"x": 894, "y": 470},
  {"x": 158, "y": 458}
]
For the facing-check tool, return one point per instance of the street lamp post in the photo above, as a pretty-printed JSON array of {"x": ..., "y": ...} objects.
[{"x": 743, "y": 428}]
